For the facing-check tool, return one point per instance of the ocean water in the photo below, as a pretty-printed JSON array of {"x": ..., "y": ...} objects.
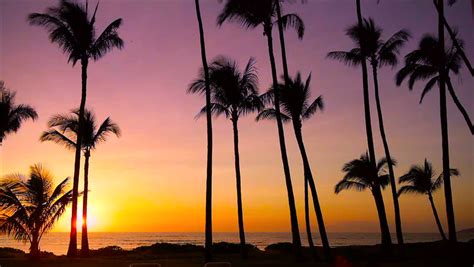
[{"x": 58, "y": 242}]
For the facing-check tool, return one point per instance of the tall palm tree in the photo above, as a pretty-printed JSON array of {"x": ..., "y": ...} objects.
[
  {"x": 208, "y": 227},
  {"x": 252, "y": 14},
  {"x": 29, "y": 207},
  {"x": 420, "y": 180},
  {"x": 234, "y": 94},
  {"x": 379, "y": 53},
  {"x": 296, "y": 107},
  {"x": 360, "y": 176},
  {"x": 386, "y": 238},
  {"x": 70, "y": 26},
  {"x": 423, "y": 64},
  {"x": 64, "y": 130},
  {"x": 11, "y": 115}
]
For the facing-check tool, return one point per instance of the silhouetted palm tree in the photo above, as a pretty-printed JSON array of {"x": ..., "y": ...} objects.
[
  {"x": 379, "y": 53},
  {"x": 73, "y": 29},
  {"x": 420, "y": 180},
  {"x": 296, "y": 106},
  {"x": 11, "y": 115},
  {"x": 424, "y": 63},
  {"x": 360, "y": 176},
  {"x": 234, "y": 94},
  {"x": 252, "y": 14},
  {"x": 208, "y": 230},
  {"x": 386, "y": 239},
  {"x": 30, "y": 207},
  {"x": 66, "y": 135}
]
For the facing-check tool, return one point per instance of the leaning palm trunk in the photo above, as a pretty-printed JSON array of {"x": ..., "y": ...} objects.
[
  {"x": 72, "y": 250},
  {"x": 386, "y": 239},
  {"x": 208, "y": 229},
  {"x": 310, "y": 181},
  {"x": 322, "y": 228},
  {"x": 307, "y": 218},
  {"x": 396, "y": 206},
  {"x": 84, "y": 234},
  {"x": 444, "y": 130},
  {"x": 284, "y": 157},
  {"x": 459, "y": 105},
  {"x": 243, "y": 249},
  {"x": 435, "y": 213}
]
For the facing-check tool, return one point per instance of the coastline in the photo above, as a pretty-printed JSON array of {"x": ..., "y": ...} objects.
[{"x": 415, "y": 254}]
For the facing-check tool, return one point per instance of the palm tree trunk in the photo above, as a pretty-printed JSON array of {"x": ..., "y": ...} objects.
[
  {"x": 84, "y": 234},
  {"x": 459, "y": 105},
  {"x": 444, "y": 131},
  {"x": 72, "y": 250},
  {"x": 396, "y": 206},
  {"x": 386, "y": 239},
  {"x": 310, "y": 180},
  {"x": 34, "y": 247},
  {"x": 435, "y": 213},
  {"x": 284, "y": 157},
  {"x": 208, "y": 229},
  {"x": 243, "y": 249},
  {"x": 307, "y": 218}
]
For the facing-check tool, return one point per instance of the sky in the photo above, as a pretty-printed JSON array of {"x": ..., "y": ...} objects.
[{"x": 153, "y": 177}]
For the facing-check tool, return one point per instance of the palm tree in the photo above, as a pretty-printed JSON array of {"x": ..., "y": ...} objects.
[
  {"x": 296, "y": 106},
  {"x": 208, "y": 230},
  {"x": 360, "y": 176},
  {"x": 11, "y": 115},
  {"x": 29, "y": 208},
  {"x": 361, "y": 46},
  {"x": 73, "y": 29},
  {"x": 234, "y": 94},
  {"x": 379, "y": 53},
  {"x": 420, "y": 180},
  {"x": 251, "y": 14},
  {"x": 425, "y": 63},
  {"x": 66, "y": 135}
]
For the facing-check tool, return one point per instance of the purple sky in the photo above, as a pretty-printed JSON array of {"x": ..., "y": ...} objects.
[{"x": 160, "y": 160}]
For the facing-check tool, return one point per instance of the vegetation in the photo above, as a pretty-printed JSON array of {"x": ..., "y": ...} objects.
[
  {"x": 360, "y": 176},
  {"x": 30, "y": 206},
  {"x": 378, "y": 53},
  {"x": 362, "y": 49},
  {"x": 296, "y": 107},
  {"x": 66, "y": 135},
  {"x": 420, "y": 180},
  {"x": 73, "y": 29},
  {"x": 250, "y": 14},
  {"x": 11, "y": 115}
]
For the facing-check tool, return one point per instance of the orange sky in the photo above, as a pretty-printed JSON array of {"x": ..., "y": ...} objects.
[{"x": 152, "y": 178}]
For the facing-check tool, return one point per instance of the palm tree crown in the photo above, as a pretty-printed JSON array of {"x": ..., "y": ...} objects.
[
  {"x": 379, "y": 52},
  {"x": 424, "y": 64},
  {"x": 30, "y": 207},
  {"x": 420, "y": 179},
  {"x": 73, "y": 29},
  {"x": 295, "y": 101},
  {"x": 68, "y": 127},
  {"x": 234, "y": 93},
  {"x": 359, "y": 173},
  {"x": 11, "y": 115},
  {"x": 250, "y": 14}
]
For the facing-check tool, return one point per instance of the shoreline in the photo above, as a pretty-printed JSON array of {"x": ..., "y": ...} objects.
[{"x": 438, "y": 253}]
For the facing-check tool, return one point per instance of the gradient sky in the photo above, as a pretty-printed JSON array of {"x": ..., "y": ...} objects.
[{"x": 153, "y": 177}]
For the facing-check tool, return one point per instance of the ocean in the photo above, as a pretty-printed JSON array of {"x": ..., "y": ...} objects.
[{"x": 58, "y": 242}]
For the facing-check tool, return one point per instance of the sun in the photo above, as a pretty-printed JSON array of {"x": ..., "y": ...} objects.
[{"x": 91, "y": 223}]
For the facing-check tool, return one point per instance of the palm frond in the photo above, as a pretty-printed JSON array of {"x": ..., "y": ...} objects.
[
  {"x": 294, "y": 21},
  {"x": 108, "y": 40},
  {"x": 270, "y": 114}
]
